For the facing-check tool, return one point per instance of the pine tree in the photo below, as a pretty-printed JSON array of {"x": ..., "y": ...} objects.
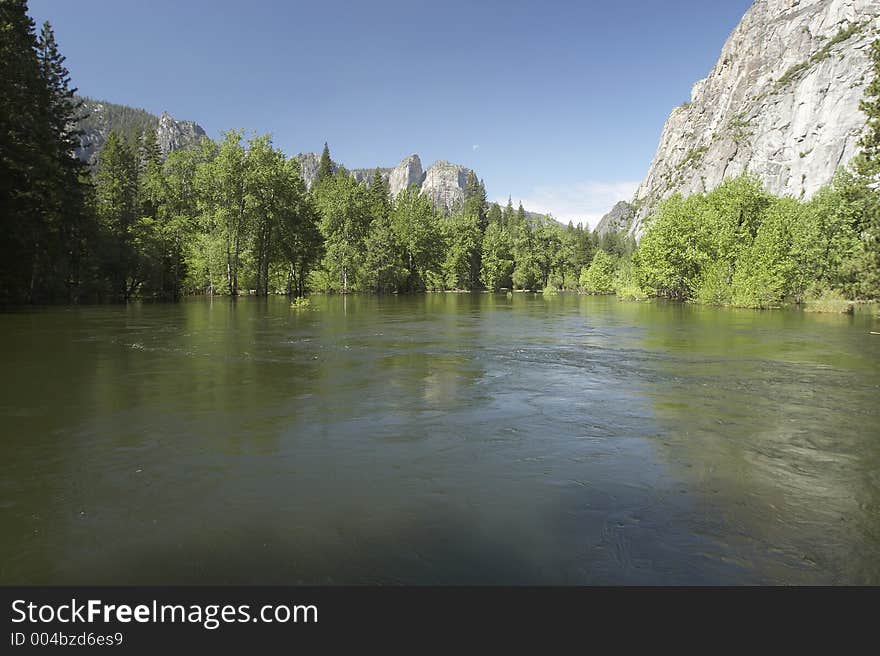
[
  {"x": 62, "y": 102},
  {"x": 508, "y": 215},
  {"x": 868, "y": 161},
  {"x": 24, "y": 137},
  {"x": 867, "y": 164},
  {"x": 149, "y": 153},
  {"x": 41, "y": 186},
  {"x": 417, "y": 230},
  {"x": 379, "y": 191},
  {"x": 325, "y": 168},
  {"x": 474, "y": 214},
  {"x": 475, "y": 199},
  {"x": 116, "y": 199}
]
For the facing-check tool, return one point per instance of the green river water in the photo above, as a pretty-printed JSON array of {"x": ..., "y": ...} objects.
[{"x": 445, "y": 438}]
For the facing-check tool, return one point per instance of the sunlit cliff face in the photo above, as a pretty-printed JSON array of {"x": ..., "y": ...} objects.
[{"x": 781, "y": 102}]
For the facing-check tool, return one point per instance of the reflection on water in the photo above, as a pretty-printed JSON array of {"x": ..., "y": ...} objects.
[{"x": 448, "y": 438}]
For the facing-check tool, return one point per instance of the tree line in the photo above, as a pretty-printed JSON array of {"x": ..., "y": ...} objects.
[
  {"x": 232, "y": 217},
  {"x": 739, "y": 245},
  {"x": 235, "y": 216}
]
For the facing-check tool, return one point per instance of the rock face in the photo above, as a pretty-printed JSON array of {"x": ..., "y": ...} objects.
[
  {"x": 309, "y": 163},
  {"x": 619, "y": 218},
  {"x": 98, "y": 118},
  {"x": 367, "y": 175},
  {"x": 781, "y": 102},
  {"x": 173, "y": 135},
  {"x": 409, "y": 172},
  {"x": 443, "y": 182}
]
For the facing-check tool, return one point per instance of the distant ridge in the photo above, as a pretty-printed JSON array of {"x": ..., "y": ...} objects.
[{"x": 100, "y": 117}]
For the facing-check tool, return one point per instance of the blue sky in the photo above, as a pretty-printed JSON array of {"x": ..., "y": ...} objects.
[{"x": 559, "y": 104}]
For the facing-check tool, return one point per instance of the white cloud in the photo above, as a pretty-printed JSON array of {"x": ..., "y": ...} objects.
[
  {"x": 475, "y": 147},
  {"x": 579, "y": 201}
]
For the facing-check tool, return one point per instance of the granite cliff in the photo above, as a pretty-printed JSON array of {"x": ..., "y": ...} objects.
[
  {"x": 619, "y": 218},
  {"x": 781, "y": 102}
]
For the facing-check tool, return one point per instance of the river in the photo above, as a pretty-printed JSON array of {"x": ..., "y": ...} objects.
[{"x": 445, "y": 438}]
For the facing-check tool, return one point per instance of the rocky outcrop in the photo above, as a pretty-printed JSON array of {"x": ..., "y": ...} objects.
[
  {"x": 409, "y": 172},
  {"x": 782, "y": 102},
  {"x": 443, "y": 182},
  {"x": 98, "y": 118},
  {"x": 173, "y": 135},
  {"x": 367, "y": 175},
  {"x": 618, "y": 219}
]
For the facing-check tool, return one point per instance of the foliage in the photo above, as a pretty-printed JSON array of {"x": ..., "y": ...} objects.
[
  {"x": 325, "y": 166},
  {"x": 43, "y": 191},
  {"x": 868, "y": 161},
  {"x": 740, "y": 246},
  {"x": 626, "y": 286},
  {"x": 301, "y": 303},
  {"x": 346, "y": 213},
  {"x": 598, "y": 278},
  {"x": 497, "y": 260}
]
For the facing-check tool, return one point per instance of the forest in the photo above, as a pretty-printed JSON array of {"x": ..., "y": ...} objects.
[{"x": 235, "y": 217}]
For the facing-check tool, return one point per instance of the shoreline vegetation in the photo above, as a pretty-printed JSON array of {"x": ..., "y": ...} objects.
[{"x": 235, "y": 216}]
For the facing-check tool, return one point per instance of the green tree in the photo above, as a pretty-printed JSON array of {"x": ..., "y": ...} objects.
[
  {"x": 462, "y": 238},
  {"x": 415, "y": 224},
  {"x": 65, "y": 213},
  {"x": 474, "y": 214},
  {"x": 546, "y": 245},
  {"x": 268, "y": 199},
  {"x": 508, "y": 214},
  {"x": 599, "y": 277},
  {"x": 383, "y": 264},
  {"x": 867, "y": 163},
  {"x": 301, "y": 240},
  {"x": 325, "y": 167},
  {"x": 383, "y": 267},
  {"x": 495, "y": 215},
  {"x": 223, "y": 184},
  {"x": 696, "y": 241},
  {"x": 196, "y": 259},
  {"x": 526, "y": 269},
  {"x": 346, "y": 214},
  {"x": 865, "y": 265},
  {"x": 42, "y": 190},
  {"x": 497, "y": 260},
  {"x": 116, "y": 197},
  {"x": 776, "y": 265}
]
